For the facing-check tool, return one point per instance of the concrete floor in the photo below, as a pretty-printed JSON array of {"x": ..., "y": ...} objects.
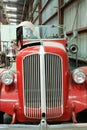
[
  {"x": 38, "y": 127},
  {"x": 62, "y": 126}
]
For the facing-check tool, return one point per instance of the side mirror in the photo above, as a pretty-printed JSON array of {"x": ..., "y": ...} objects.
[{"x": 73, "y": 48}]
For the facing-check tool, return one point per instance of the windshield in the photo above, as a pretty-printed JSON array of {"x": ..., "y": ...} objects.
[{"x": 43, "y": 32}]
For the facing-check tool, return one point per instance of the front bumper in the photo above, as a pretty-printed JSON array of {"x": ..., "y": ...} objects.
[{"x": 44, "y": 126}]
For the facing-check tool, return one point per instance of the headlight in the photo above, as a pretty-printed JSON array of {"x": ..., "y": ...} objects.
[
  {"x": 7, "y": 77},
  {"x": 79, "y": 76}
]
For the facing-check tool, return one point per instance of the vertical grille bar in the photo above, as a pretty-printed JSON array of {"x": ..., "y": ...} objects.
[
  {"x": 32, "y": 94},
  {"x": 53, "y": 78}
]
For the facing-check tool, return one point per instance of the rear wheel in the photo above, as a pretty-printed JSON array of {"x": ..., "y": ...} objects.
[
  {"x": 7, "y": 119},
  {"x": 1, "y": 117},
  {"x": 82, "y": 117}
]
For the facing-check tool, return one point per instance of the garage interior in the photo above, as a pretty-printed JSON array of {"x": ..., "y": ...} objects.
[{"x": 69, "y": 13}]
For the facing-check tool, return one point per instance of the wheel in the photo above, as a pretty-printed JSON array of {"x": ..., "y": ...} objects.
[
  {"x": 7, "y": 119},
  {"x": 82, "y": 116},
  {"x": 1, "y": 117}
]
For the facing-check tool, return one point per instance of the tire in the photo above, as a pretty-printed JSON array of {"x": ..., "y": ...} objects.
[
  {"x": 7, "y": 119},
  {"x": 82, "y": 116},
  {"x": 1, "y": 117}
]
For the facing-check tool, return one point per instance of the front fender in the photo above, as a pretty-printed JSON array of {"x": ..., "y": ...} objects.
[{"x": 78, "y": 93}]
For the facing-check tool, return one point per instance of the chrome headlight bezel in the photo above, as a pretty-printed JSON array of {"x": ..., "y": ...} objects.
[
  {"x": 79, "y": 76},
  {"x": 7, "y": 77}
]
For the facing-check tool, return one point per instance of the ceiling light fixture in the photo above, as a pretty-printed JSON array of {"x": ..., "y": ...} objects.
[
  {"x": 11, "y": 8},
  {"x": 10, "y": 0},
  {"x": 12, "y": 15},
  {"x": 15, "y": 20}
]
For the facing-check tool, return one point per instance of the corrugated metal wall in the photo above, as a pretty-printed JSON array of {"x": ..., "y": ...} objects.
[
  {"x": 71, "y": 13},
  {"x": 75, "y": 18},
  {"x": 70, "y": 17},
  {"x": 50, "y": 10}
]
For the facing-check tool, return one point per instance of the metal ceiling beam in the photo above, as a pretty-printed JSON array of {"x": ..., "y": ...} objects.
[
  {"x": 64, "y": 5},
  {"x": 13, "y": 12},
  {"x": 15, "y": 18},
  {"x": 23, "y": 9},
  {"x": 14, "y": 3}
]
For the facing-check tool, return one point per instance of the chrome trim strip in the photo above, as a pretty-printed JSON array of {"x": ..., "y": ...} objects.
[
  {"x": 55, "y": 44},
  {"x": 42, "y": 75},
  {"x": 8, "y": 100}
]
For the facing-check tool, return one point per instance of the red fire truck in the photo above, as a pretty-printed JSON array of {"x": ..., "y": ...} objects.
[{"x": 42, "y": 89}]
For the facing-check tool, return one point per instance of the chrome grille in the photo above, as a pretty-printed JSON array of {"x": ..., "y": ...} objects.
[
  {"x": 53, "y": 82},
  {"x": 53, "y": 85},
  {"x": 32, "y": 94}
]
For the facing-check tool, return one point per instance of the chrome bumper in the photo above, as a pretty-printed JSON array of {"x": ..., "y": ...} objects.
[{"x": 44, "y": 126}]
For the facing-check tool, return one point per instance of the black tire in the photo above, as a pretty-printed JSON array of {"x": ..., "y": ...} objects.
[
  {"x": 7, "y": 119},
  {"x": 1, "y": 117},
  {"x": 82, "y": 117}
]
